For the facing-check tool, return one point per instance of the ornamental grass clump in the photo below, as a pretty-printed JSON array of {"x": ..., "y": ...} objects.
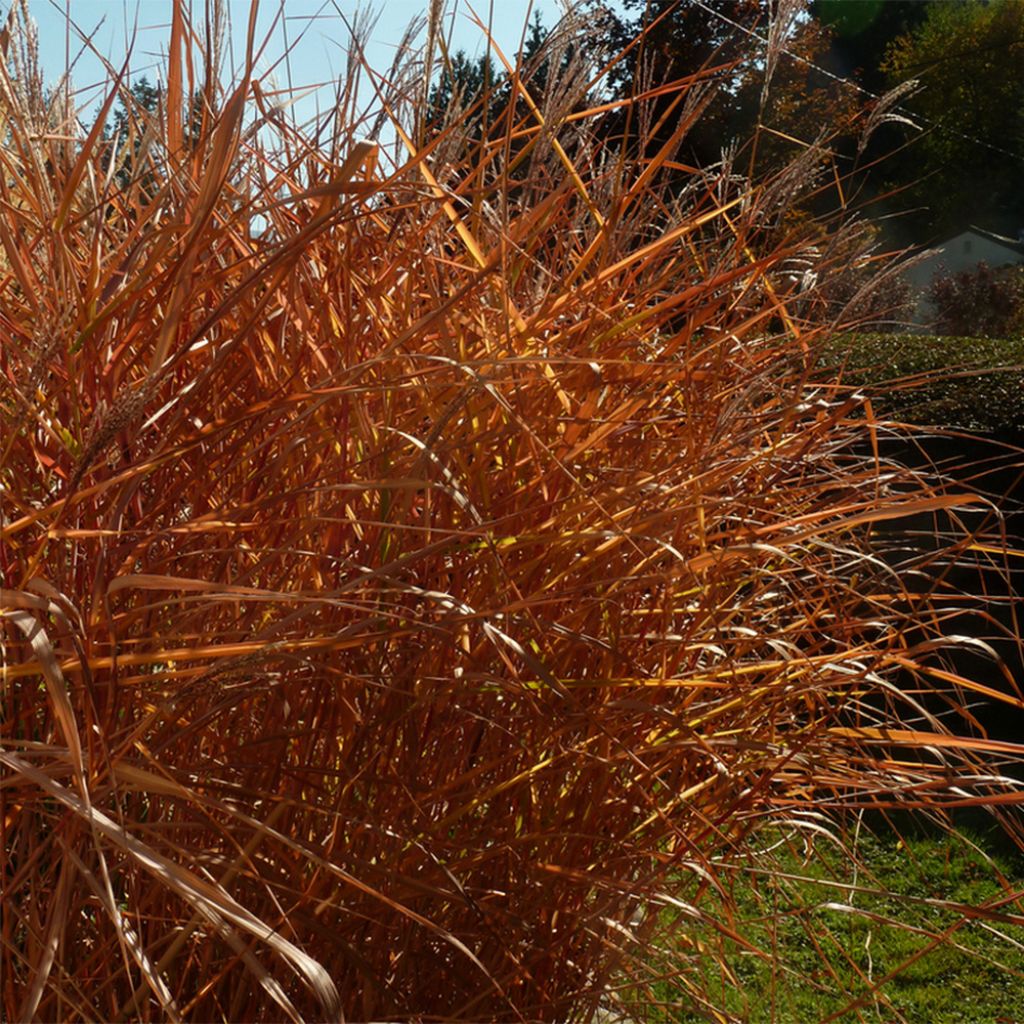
[{"x": 431, "y": 564}]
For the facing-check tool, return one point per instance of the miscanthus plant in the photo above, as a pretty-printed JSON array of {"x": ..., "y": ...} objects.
[{"x": 433, "y": 566}]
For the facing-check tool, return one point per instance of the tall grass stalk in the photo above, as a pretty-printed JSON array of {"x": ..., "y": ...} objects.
[{"x": 424, "y": 564}]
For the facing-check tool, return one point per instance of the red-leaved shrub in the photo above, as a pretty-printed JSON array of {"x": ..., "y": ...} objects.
[{"x": 987, "y": 302}]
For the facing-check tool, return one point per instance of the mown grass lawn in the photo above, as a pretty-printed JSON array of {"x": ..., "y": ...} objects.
[{"x": 837, "y": 929}]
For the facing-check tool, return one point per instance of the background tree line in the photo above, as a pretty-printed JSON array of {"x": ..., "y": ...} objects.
[{"x": 951, "y": 156}]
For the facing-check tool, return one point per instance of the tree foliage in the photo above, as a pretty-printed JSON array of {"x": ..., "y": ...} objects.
[
  {"x": 862, "y": 32},
  {"x": 126, "y": 130},
  {"x": 969, "y": 59},
  {"x": 134, "y": 124},
  {"x": 759, "y": 63},
  {"x": 463, "y": 82},
  {"x": 474, "y": 90}
]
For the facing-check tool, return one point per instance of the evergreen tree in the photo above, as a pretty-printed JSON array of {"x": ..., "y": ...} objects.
[{"x": 125, "y": 132}]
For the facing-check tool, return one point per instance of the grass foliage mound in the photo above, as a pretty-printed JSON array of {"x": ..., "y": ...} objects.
[{"x": 425, "y": 564}]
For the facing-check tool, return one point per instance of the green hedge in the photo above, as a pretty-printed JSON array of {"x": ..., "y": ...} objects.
[{"x": 968, "y": 383}]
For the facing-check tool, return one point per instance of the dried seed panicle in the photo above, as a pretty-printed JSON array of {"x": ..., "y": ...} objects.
[{"x": 126, "y": 411}]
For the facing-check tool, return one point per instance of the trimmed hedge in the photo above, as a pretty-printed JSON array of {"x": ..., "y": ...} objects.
[{"x": 975, "y": 384}]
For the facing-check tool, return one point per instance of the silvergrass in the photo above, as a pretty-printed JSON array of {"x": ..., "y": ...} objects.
[{"x": 486, "y": 565}]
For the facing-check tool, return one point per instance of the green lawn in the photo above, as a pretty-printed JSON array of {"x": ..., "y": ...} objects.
[{"x": 832, "y": 944}]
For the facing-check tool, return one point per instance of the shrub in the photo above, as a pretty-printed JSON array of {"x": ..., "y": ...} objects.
[
  {"x": 414, "y": 581},
  {"x": 983, "y": 303}
]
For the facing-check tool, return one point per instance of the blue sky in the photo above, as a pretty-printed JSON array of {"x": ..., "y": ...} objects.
[{"x": 315, "y": 27}]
